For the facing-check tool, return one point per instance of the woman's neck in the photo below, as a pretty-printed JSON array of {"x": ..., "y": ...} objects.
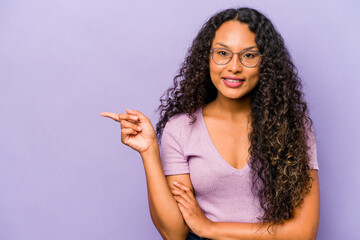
[{"x": 231, "y": 108}]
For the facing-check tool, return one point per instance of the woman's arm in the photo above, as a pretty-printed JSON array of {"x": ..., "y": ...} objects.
[
  {"x": 304, "y": 225},
  {"x": 163, "y": 208},
  {"x": 138, "y": 133}
]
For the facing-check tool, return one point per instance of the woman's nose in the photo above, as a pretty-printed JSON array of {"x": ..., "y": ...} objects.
[{"x": 235, "y": 64}]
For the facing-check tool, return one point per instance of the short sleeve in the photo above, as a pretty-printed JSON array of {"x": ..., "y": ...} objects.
[
  {"x": 171, "y": 151},
  {"x": 311, "y": 142}
]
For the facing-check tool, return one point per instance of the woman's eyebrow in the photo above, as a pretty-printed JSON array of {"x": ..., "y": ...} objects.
[
  {"x": 221, "y": 44},
  {"x": 226, "y": 46}
]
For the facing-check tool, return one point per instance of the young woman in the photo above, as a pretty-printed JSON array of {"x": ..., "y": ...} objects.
[{"x": 238, "y": 155}]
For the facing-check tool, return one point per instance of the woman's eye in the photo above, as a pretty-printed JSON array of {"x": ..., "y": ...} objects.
[
  {"x": 223, "y": 53},
  {"x": 249, "y": 55}
]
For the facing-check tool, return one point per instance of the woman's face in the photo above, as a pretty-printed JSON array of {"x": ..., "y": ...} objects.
[{"x": 233, "y": 80}]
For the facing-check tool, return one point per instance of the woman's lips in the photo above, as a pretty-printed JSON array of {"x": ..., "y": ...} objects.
[{"x": 233, "y": 82}]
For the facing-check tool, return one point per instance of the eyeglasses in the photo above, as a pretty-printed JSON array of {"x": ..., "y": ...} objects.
[{"x": 248, "y": 58}]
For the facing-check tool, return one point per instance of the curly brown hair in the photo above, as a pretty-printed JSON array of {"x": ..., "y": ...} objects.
[{"x": 280, "y": 121}]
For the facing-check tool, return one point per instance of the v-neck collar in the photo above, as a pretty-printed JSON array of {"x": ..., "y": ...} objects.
[{"x": 223, "y": 162}]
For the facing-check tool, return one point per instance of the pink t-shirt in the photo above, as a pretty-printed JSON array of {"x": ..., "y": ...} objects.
[{"x": 222, "y": 191}]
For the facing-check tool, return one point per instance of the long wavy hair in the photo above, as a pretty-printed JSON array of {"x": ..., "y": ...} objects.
[{"x": 280, "y": 122}]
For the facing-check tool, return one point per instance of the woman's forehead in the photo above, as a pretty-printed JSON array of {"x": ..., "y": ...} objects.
[{"x": 234, "y": 34}]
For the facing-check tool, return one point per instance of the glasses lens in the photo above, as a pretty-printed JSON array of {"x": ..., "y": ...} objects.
[
  {"x": 221, "y": 56},
  {"x": 249, "y": 58}
]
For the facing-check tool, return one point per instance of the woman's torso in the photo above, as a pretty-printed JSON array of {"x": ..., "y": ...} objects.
[{"x": 223, "y": 192}]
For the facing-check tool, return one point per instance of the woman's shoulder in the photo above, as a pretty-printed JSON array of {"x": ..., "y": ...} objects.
[{"x": 182, "y": 129}]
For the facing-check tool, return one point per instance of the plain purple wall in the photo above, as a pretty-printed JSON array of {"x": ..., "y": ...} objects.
[{"x": 64, "y": 173}]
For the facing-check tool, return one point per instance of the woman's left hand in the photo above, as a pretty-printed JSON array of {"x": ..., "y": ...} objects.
[{"x": 190, "y": 209}]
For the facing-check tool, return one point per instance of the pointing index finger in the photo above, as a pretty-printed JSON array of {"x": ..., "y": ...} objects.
[
  {"x": 119, "y": 117},
  {"x": 111, "y": 115}
]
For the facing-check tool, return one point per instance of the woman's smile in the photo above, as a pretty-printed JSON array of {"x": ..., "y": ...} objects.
[{"x": 233, "y": 82}]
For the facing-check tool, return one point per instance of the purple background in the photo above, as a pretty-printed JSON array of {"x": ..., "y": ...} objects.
[{"x": 64, "y": 173}]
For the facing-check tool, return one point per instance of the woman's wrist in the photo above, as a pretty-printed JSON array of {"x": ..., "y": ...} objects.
[
  {"x": 206, "y": 229},
  {"x": 152, "y": 150}
]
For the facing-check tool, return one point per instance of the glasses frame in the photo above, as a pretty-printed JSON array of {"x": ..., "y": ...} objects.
[{"x": 232, "y": 55}]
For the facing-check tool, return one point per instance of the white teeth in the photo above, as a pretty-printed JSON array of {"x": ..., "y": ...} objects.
[{"x": 232, "y": 80}]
